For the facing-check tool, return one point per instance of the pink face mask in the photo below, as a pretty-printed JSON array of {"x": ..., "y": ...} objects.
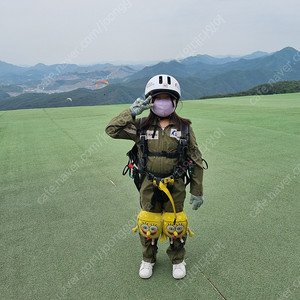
[{"x": 163, "y": 107}]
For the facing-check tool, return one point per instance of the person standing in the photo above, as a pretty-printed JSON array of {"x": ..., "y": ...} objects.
[{"x": 166, "y": 145}]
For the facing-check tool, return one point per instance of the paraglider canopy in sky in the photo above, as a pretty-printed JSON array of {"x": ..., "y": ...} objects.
[{"x": 101, "y": 82}]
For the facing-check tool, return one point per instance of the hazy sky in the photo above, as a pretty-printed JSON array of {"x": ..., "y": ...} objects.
[{"x": 127, "y": 31}]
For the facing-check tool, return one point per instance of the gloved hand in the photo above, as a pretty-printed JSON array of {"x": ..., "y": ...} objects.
[
  {"x": 139, "y": 105},
  {"x": 197, "y": 201}
]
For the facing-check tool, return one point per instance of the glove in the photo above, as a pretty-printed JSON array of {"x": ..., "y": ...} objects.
[
  {"x": 197, "y": 201},
  {"x": 139, "y": 105}
]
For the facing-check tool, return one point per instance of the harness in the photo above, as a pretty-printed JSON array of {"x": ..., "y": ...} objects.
[{"x": 137, "y": 164}]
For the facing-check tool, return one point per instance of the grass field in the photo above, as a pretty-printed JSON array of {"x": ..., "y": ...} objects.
[{"x": 67, "y": 212}]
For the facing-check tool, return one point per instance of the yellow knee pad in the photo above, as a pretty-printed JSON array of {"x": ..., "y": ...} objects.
[
  {"x": 149, "y": 225},
  {"x": 155, "y": 225},
  {"x": 175, "y": 230}
]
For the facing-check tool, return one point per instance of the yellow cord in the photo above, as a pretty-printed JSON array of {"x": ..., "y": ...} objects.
[{"x": 163, "y": 187}]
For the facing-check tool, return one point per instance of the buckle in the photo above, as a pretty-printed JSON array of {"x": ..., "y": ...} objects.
[
  {"x": 183, "y": 142},
  {"x": 167, "y": 180}
]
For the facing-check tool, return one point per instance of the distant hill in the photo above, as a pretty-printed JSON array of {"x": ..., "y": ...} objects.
[
  {"x": 45, "y": 77},
  {"x": 282, "y": 87},
  {"x": 199, "y": 76},
  {"x": 4, "y": 95},
  {"x": 256, "y": 54},
  {"x": 112, "y": 94},
  {"x": 210, "y": 60},
  {"x": 207, "y": 59},
  {"x": 6, "y": 68},
  {"x": 269, "y": 63}
]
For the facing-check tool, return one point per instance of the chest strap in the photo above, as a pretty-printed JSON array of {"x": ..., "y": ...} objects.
[{"x": 164, "y": 154}]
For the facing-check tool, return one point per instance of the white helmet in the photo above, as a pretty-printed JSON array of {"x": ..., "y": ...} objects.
[{"x": 163, "y": 84}]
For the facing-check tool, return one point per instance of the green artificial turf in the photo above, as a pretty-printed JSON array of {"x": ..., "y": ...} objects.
[{"x": 67, "y": 212}]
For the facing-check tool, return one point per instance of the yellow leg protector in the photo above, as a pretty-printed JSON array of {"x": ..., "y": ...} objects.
[
  {"x": 177, "y": 230},
  {"x": 149, "y": 225}
]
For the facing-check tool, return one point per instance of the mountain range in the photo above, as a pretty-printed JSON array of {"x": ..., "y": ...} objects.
[{"x": 199, "y": 76}]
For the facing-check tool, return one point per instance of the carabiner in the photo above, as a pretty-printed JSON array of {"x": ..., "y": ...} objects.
[{"x": 206, "y": 164}]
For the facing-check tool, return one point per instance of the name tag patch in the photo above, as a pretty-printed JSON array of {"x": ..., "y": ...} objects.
[
  {"x": 175, "y": 133},
  {"x": 149, "y": 135}
]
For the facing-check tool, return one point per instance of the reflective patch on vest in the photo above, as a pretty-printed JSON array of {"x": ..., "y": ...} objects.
[
  {"x": 149, "y": 135},
  {"x": 175, "y": 133}
]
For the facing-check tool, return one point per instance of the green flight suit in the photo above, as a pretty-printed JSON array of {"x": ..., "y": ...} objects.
[{"x": 124, "y": 126}]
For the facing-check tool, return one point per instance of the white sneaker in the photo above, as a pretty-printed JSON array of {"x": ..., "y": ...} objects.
[
  {"x": 146, "y": 269},
  {"x": 179, "y": 270}
]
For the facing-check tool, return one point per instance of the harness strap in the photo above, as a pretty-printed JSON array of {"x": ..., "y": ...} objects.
[
  {"x": 165, "y": 154},
  {"x": 183, "y": 142}
]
